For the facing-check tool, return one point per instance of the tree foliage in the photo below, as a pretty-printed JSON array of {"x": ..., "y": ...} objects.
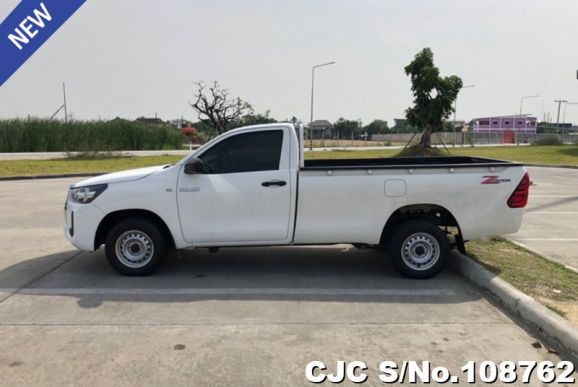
[
  {"x": 347, "y": 128},
  {"x": 434, "y": 95},
  {"x": 377, "y": 127},
  {"x": 255, "y": 119},
  {"x": 214, "y": 104},
  {"x": 206, "y": 130}
]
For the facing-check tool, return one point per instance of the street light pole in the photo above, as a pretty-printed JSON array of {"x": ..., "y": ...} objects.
[
  {"x": 312, "y": 99},
  {"x": 559, "y": 101},
  {"x": 520, "y": 116},
  {"x": 565, "y": 106},
  {"x": 455, "y": 113},
  {"x": 65, "y": 106}
]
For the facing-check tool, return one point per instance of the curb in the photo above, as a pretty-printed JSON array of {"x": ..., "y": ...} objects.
[
  {"x": 552, "y": 165},
  {"x": 58, "y": 176},
  {"x": 564, "y": 333}
]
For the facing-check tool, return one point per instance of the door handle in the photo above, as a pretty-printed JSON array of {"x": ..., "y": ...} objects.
[{"x": 279, "y": 183}]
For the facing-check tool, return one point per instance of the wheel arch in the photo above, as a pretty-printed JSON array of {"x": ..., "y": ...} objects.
[
  {"x": 434, "y": 213},
  {"x": 111, "y": 219}
]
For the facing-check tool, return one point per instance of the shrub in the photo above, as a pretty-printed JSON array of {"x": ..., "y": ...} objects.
[
  {"x": 549, "y": 140},
  {"x": 85, "y": 136}
]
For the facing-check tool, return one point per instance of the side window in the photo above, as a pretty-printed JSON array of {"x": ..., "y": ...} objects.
[{"x": 248, "y": 152}]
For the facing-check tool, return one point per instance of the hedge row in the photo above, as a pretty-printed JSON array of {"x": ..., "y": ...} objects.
[{"x": 57, "y": 136}]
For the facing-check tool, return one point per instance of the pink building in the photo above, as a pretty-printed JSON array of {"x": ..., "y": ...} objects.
[{"x": 513, "y": 123}]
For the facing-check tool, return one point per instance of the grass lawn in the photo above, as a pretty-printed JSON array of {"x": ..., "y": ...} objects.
[
  {"x": 564, "y": 154},
  {"x": 549, "y": 283}
]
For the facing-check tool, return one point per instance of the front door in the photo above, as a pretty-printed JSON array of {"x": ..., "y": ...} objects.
[{"x": 244, "y": 195}]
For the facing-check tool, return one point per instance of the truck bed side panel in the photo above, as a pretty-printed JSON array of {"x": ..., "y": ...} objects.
[{"x": 350, "y": 205}]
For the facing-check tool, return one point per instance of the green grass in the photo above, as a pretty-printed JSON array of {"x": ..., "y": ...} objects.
[
  {"x": 547, "y": 281},
  {"x": 564, "y": 154},
  {"x": 561, "y": 154}
]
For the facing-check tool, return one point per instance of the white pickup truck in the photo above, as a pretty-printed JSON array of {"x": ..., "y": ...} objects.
[{"x": 252, "y": 187}]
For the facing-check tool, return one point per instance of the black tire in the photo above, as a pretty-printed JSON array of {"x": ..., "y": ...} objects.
[
  {"x": 419, "y": 249},
  {"x": 136, "y": 247}
]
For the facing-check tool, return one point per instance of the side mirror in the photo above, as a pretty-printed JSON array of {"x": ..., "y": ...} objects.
[{"x": 194, "y": 166}]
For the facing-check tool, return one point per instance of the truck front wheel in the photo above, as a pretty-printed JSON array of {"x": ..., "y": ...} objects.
[
  {"x": 135, "y": 247},
  {"x": 419, "y": 249}
]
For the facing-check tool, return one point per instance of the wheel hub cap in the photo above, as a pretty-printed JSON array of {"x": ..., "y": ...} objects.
[
  {"x": 420, "y": 251},
  {"x": 134, "y": 249}
]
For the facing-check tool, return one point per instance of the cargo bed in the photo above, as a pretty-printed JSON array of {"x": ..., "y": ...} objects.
[{"x": 407, "y": 162}]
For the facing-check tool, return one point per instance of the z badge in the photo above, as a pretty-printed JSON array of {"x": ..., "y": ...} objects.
[{"x": 494, "y": 179}]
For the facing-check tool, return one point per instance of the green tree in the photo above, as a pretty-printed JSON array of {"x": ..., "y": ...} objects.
[
  {"x": 434, "y": 95},
  {"x": 255, "y": 119},
  {"x": 377, "y": 127},
  {"x": 346, "y": 128},
  {"x": 205, "y": 130}
]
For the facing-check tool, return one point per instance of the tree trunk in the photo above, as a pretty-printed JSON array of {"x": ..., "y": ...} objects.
[
  {"x": 425, "y": 141},
  {"x": 219, "y": 126}
]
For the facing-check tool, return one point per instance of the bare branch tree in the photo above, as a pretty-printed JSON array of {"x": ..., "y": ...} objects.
[{"x": 213, "y": 103}]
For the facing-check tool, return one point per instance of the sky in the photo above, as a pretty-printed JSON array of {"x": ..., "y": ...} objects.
[{"x": 134, "y": 58}]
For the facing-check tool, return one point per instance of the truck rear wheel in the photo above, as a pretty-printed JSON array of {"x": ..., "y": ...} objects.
[
  {"x": 135, "y": 247},
  {"x": 419, "y": 249}
]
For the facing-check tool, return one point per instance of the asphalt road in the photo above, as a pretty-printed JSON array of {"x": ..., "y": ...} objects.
[
  {"x": 550, "y": 224},
  {"x": 242, "y": 317}
]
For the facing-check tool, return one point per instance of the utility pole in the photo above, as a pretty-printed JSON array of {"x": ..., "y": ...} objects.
[
  {"x": 565, "y": 106},
  {"x": 520, "y": 116},
  {"x": 65, "y": 107},
  {"x": 559, "y": 102},
  {"x": 455, "y": 114}
]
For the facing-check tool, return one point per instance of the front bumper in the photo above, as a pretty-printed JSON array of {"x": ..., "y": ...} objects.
[{"x": 80, "y": 224}]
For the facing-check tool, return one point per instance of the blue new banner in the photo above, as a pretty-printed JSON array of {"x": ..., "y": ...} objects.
[{"x": 27, "y": 28}]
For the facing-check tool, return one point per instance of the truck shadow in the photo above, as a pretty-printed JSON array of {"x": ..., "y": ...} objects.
[{"x": 325, "y": 273}]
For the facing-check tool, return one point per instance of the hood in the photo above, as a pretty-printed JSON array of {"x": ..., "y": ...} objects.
[{"x": 120, "y": 177}]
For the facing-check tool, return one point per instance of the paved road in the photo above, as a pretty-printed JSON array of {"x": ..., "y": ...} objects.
[
  {"x": 243, "y": 317},
  {"x": 550, "y": 224}
]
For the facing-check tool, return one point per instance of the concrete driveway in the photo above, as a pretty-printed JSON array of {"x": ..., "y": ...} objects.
[
  {"x": 243, "y": 317},
  {"x": 550, "y": 224}
]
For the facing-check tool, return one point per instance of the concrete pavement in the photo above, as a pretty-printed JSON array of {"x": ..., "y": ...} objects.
[
  {"x": 550, "y": 224},
  {"x": 245, "y": 317}
]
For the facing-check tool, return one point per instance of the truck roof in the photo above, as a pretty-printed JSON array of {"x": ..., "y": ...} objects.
[{"x": 263, "y": 127}]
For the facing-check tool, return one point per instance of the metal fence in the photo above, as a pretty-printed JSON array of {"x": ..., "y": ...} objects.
[{"x": 460, "y": 138}]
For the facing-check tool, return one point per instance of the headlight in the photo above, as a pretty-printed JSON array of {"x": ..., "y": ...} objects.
[{"x": 86, "y": 194}]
